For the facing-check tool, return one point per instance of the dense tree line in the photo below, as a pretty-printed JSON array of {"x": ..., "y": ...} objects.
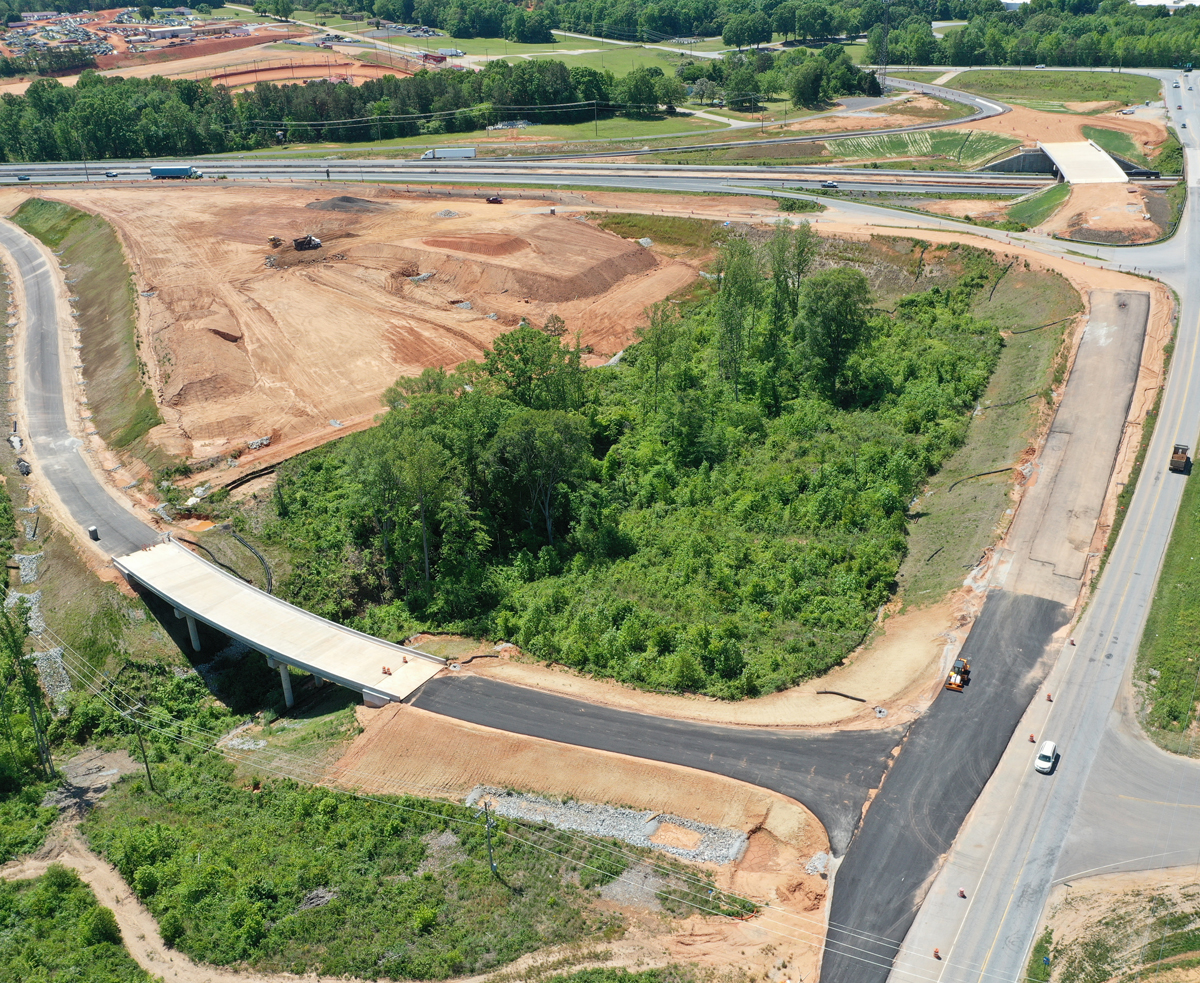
[
  {"x": 1053, "y": 32},
  {"x": 723, "y": 511},
  {"x": 119, "y": 118}
]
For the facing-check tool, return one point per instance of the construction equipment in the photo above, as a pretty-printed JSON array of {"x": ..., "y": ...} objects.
[
  {"x": 306, "y": 242},
  {"x": 1179, "y": 459},
  {"x": 275, "y": 241},
  {"x": 960, "y": 676}
]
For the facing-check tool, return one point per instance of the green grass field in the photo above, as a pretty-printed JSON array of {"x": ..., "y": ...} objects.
[
  {"x": 1035, "y": 210},
  {"x": 1116, "y": 142},
  {"x": 498, "y": 46},
  {"x": 916, "y": 76},
  {"x": 1166, "y": 659},
  {"x": 502, "y": 142},
  {"x": 619, "y": 61},
  {"x": 1049, "y": 89}
]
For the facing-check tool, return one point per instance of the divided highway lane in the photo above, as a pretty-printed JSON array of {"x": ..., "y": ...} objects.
[
  {"x": 57, "y": 452},
  {"x": 487, "y": 170}
]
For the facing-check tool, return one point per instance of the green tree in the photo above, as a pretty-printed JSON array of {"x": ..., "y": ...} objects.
[
  {"x": 832, "y": 323},
  {"x": 146, "y": 12},
  {"x": 425, "y": 470},
  {"x": 657, "y": 338},
  {"x": 807, "y": 82},
  {"x": 543, "y": 452},
  {"x": 639, "y": 92},
  {"x": 536, "y": 370}
]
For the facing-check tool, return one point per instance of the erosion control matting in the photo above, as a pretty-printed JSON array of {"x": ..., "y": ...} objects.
[
  {"x": 830, "y": 773},
  {"x": 946, "y": 760}
]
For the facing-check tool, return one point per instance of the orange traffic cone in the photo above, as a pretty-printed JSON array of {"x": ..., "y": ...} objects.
[
  {"x": 962, "y": 893},
  {"x": 937, "y": 954},
  {"x": 1031, "y": 740},
  {"x": 1049, "y": 698}
]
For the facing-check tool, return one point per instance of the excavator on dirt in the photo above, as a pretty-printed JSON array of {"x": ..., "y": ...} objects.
[{"x": 960, "y": 675}]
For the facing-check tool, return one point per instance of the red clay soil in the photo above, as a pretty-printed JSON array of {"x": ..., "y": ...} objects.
[{"x": 197, "y": 50}]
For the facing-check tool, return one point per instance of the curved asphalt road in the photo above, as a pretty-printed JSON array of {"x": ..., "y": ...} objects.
[
  {"x": 56, "y": 452},
  {"x": 831, "y": 773}
]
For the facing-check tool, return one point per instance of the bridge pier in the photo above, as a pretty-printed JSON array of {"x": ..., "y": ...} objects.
[
  {"x": 193, "y": 633},
  {"x": 285, "y": 679}
]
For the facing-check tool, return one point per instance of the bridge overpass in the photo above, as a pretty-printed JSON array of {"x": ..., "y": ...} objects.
[
  {"x": 1084, "y": 162},
  {"x": 287, "y": 635}
]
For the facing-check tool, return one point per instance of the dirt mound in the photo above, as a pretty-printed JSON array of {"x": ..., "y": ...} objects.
[
  {"x": 554, "y": 262},
  {"x": 346, "y": 203},
  {"x": 488, "y": 244}
]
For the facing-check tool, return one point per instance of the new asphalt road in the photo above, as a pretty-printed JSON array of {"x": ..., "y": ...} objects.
[
  {"x": 56, "y": 451},
  {"x": 832, "y": 773},
  {"x": 948, "y": 757}
]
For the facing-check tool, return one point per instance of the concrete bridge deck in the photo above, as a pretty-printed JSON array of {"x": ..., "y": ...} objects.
[
  {"x": 1084, "y": 162},
  {"x": 286, "y": 634}
]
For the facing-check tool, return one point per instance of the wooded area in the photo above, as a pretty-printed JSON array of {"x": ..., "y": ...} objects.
[{"x": 724, "y": 510}]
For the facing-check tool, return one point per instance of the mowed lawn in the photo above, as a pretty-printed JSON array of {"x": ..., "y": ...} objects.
[{"x": 1060, "y": 87}]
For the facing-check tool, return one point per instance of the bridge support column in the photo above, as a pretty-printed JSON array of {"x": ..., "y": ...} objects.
[
  {"x": 287, "y": 686},
  {"x": 193, "y": 634}
]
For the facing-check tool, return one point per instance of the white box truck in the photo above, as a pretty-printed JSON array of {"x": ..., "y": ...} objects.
[{"x": 449, "y": 153}]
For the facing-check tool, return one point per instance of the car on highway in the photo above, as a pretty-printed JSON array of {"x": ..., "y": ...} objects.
[
  {"x": 22, "y": 177},
  {"x": 829, "y": 184},
  {"x": 1046, "y": 756},
  {"x": 1178, "y": 107},
  {"x": 110, "y": 173}
]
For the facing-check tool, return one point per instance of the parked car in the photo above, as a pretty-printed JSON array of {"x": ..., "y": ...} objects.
[
  {"x": 1046, "y": 756},
  {"x": 829, "y": 184}
]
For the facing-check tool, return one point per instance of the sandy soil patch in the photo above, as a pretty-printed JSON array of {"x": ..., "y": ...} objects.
[
  {"x": 242, "y": 350},
  {"x": 403, "y": 748},
  {"x": 1092, "y": 107},
  {"x": 1029, "y": 126},
  {"x": 989, "y": 210},
  {"x": 1118, "y": 213}
]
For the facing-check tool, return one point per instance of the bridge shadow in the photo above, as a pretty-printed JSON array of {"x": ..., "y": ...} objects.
[{"x": 239, "y": 676}]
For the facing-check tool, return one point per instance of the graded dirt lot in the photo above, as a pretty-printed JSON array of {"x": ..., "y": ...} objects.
[
  {"x": 243, "y": 350},
  {"x": 1119, "y": 213}
]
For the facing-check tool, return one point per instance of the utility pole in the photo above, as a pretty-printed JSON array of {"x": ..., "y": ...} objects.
[
  {"x": 488, "y": 824},
  {"x": 145, "y": 760}
]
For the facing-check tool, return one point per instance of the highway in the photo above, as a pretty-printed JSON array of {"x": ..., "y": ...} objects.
[
  {"x": 1019, "y": 839},
  {"x": 491, "y": 171}
]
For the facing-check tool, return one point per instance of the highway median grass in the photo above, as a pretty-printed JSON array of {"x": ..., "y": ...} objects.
[{"x": 123, "y": 409}]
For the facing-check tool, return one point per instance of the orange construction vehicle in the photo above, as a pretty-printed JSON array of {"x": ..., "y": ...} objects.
[{"x": 960, "y": 676}]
